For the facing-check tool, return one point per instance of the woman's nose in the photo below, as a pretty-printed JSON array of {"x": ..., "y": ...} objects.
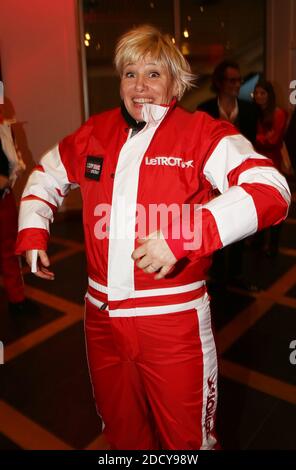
[{"x": 140, "y": 83}]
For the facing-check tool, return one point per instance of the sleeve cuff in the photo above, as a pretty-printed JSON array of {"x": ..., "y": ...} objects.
[{"x": 31, "y": 239}]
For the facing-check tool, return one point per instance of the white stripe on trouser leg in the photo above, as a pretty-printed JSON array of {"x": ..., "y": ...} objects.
[
  {"x": 210, "y": 393},
  {"x": 89, "y": 372}
]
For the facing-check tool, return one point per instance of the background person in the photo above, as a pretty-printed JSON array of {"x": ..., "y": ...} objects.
[
  {"x": 226, "y": 83},
  {"x": 271, "y": 127},
  {"x": 290, "y": 139}
]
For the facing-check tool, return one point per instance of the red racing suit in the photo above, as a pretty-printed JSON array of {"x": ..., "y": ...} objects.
[{"x": 151, "y": 350}]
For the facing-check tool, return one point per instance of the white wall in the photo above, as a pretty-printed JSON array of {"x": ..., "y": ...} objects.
[
  {"x": 39, "y": 49},
  {"x": 281, "y": 47}
]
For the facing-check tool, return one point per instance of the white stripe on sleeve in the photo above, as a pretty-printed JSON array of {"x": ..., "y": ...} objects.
[
  {"x": 34, "y": 214},
  {"x": 46, "y": 185},
  {"x": 43, "y": 185},
  {"x": 53, "y": 165},
  {"x": 235, "y": 215},
  {"x": 231, "y": 152},
  {"x": 266, "y": 175}
]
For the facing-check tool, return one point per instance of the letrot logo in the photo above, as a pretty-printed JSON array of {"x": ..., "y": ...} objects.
[
  {"x": 1, "y": 353},
  {"x": 1, "y": 93},
  {"x": 169, "y": 161}
]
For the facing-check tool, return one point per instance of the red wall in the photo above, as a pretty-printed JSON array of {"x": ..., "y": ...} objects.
[{"x": 41, "y": 72}]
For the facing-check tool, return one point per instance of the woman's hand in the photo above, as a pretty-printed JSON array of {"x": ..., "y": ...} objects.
[
  {"x": 154, "y": 254},
  {"x": 42, "y": 264}
]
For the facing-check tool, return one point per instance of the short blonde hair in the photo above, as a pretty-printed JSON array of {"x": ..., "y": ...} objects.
[{"x": 147, "y": 40}]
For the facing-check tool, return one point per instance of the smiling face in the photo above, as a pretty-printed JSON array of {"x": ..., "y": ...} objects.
[{"x": 145, "y": 81}]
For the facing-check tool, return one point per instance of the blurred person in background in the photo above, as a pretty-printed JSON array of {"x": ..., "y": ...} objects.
[
  {"x": 271, "y": 128},
  {"x": 226, "y": 82},
  {"x": 290, "y": 139}
]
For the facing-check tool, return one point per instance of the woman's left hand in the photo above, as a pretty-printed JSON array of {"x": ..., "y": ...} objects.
[{"x": 154, "y": 255}]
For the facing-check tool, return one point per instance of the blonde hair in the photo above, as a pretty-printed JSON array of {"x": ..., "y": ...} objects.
[{"x": 147, "y": 40}]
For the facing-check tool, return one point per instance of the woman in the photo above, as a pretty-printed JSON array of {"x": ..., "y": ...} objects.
[
  {"x": 290, "y": 140},
  {"x": 271, "y": 126},
  {"x": 147, "y": 173}
]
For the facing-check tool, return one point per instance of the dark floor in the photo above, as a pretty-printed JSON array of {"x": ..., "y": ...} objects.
[{"x": 45, "y": 394}]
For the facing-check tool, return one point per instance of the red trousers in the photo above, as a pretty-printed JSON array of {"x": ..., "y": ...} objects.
[
  {"x": 9, "y": 262},
  {"x": 154, "y": 377}
]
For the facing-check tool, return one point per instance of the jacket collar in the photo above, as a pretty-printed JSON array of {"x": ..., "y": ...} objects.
[
  {"x": 132, "y": 123},
  {"x": 151, "y": 113}
]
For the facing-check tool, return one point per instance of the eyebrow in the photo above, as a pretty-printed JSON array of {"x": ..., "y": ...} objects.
[{"x": 150, "y": 63}]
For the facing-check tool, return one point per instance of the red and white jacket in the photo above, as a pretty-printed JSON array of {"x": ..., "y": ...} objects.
[{"x": 177, "y": 158}]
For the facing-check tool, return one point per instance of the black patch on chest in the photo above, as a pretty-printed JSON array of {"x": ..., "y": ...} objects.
[{"x": 93, "y": 167}]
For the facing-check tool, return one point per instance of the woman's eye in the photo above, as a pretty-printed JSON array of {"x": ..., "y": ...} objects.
[
  {"x": 154, "y": 74},
  {"x": 130, "y": 74}
]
